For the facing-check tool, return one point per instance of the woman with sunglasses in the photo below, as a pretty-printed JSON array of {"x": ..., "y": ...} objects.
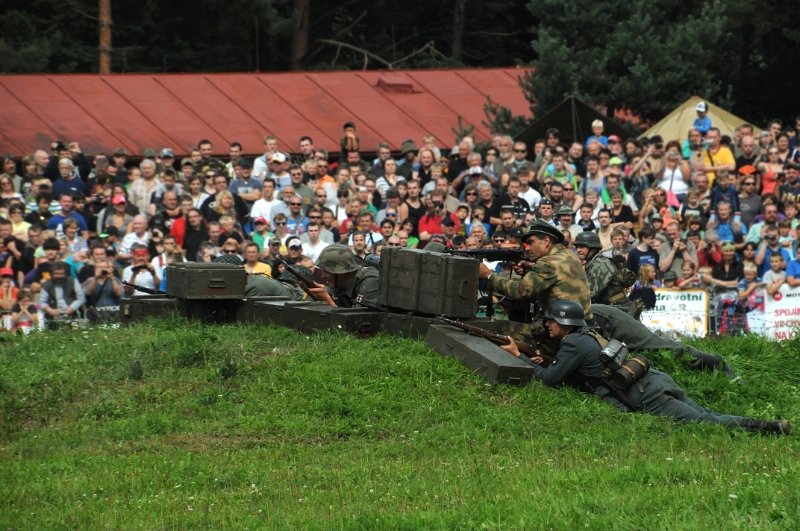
[
  {"x": 674, "y": 173},
  {"x": 7, "y": 193},
  {"x": 16, "y": 216},
  {"x": 770, "y": 171},
  {"x": 10, "y": 171},
  {"x": 196, "y": 233},
  {"x": 657, "y": 204}
]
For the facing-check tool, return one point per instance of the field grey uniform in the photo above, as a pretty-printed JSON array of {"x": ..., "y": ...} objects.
[{"x": 578, "y": 364}]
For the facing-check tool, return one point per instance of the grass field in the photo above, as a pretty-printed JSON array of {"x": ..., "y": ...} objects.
[{"x": 173, "y": 425}]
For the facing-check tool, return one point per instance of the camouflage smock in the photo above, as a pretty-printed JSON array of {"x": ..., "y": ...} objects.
[
  {"x": 601, "y": 274},
  {"x": 558, "y": 276}
]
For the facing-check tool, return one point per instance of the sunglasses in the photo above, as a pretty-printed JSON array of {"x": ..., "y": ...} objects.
[
  {"x": 314, "y": 217},
  {"x": 471, "y": 193},
  {"x": 295, "y": 247},
  {"x": 749, "y": 184},
  {"x": 295, "y": 204},
  {"x": 230, "y": 251},
  {"x": 520, "y": 151},
  {"x": 280, "y": 223},
  {"x": 324, "y": 196},
  {"x": 393, "y": 244},
  {"x": 388, "y": 215}
]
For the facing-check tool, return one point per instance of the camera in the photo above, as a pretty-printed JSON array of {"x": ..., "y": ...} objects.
[
  {"x": 438, "y": 204},
  {"x": 701, "y": 276},
  {"x": 770, "y": 237}
]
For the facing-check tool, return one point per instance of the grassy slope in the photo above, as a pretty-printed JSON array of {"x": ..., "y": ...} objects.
[{"x": 178, "y": 426}]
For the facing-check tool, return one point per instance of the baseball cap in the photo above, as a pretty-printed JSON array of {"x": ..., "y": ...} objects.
[
  {"x": 245, "y": 163},
  {"x": 657, "y": 217},
  {"x": 597, "y": 123},
  {"x": 278, "y": 157},
  {"x": 274, "y": 239},
  {"x": 186, "y": 162},
  {"x": 546, "y": 202},
  {"x": 792, "y": 165},
  {"x": 119, "y": 152},
  {"x": 111, "y": 230},
  {"x": 728, "y": 246},
  {"x": 150, "y": 152},
  {"x": 670, "y": 275},
  {"x": 701, "y": 107},
  {"x": 167, "y": 153},
  {"x": 294, "y": 242},
  {"x": 260, "y": 219},
  {"x": 448, "y": 221},
  {"x": 613, "y": 138},
  {"x": 516, "y": 232},
  {"x": 475, "y": 170},
  {"x": 615, "y": 161},
  {"x": 118, "y": 200},
  {"x": 6, "y": 272}
]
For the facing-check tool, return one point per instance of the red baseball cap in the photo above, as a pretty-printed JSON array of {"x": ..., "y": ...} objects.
[{"x": 6, "y": 272}]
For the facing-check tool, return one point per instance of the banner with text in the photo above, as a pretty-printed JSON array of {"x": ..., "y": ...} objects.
[
  {"x": 782, "y": 311},
  {"x": 681, "y": 313}
]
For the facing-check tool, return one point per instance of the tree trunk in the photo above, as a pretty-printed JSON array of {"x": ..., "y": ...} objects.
[
  {"x": 459, "y": 20},
  {"x": 300, "y": 34},
  {"x": 105, "y": 36}
]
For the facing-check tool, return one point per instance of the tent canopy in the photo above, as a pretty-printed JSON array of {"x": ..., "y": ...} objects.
[
  {"x": 675, "y": 126},
  {"x": 573, "y": 118}
]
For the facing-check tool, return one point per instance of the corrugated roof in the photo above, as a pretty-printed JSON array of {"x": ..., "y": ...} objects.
[{"x": 139, "y": 111}]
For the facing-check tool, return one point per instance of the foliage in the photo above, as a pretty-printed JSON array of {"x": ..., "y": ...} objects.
[
  {"x": 500, "y": 119},
  {"x": 328, "y": 431}
]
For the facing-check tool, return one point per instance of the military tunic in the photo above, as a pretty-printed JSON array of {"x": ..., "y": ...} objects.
[
  {"x": 364, "y": 284},
  {"x": 219, "y": 167},
  {"x": 558, "y": 276},
  {"x": 261, "y": 286},
  {"x": 604, "y": 284},
  {"x": 578, "y": 364}
]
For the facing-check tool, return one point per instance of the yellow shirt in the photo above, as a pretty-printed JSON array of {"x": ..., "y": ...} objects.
[
  {"x": 721, "y": 157},
  {"x": 260, "y": 268}
]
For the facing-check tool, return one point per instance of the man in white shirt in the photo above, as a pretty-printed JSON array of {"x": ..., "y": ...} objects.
[
  {"x": 141, "y": 272},
  {"x": 314, "y": 247},
  {"x": 261, "y": 164},
  {"x": 138, "y": 236},
  {"x": 526, "y": 192},
  {"x": 263, "y": 207}
]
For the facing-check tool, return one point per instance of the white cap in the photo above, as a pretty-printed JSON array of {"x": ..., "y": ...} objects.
[
  {"x": 278, "y": 157},
  {"x": 597, "y": 123},
  {"x": 701, "y": 107}
]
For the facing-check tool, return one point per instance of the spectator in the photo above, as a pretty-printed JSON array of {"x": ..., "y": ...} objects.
[
  {"x": 786, "y": 239},
  {"x": 759, "y": 228},
  {"x": 24, "y": 314},
  {"x": 728, "y": 229},
  {"x": 643, "y": 253},
  {"x": 57, "y": 220},
  {"x": 670, "y": 280},
  {"x": 789, "y": 192},
  {"x": 702, "y": 123},
  {"x": 252, "y": 264},
  {"x": 8, "y": 292},
  {"x": 776, "y": 276},
  {"x": 262, "y": 208},
  {"x": 770, "y": 245},
  {"x": 749, "y": 200},
  {"x": 75, "y": 241},
  {"x": 690, "y": 278},
  {"x": 212, "y": 211},
  {"x": 674, "y": 252},
  {"x": 314, "y": 246},
  {"x": 141, "y": 191},
  {"x": 717, "y": 157},
  {"x": 207, "y": 162},
  {"x": 726, "y": 274},
  {"x": 431, "y": 222},
  {"x": 62, "y": 295},
  {"x": 141, "y": 272},
  {"x": 585, "y": 222},
  {"x": 751, "y": 291},
  {"x": 103, "y": 289},
  {"x": 674, "y": 174}
]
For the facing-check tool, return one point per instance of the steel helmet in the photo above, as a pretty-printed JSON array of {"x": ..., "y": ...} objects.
[
  {"x": 337, "y": 259},
  {"x": 588, "y": 239},
  {"x": 567, "y": 313}
]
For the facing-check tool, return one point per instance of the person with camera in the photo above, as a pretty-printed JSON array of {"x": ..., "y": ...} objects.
[
  {"x": 789, "y": 191},
  {"x": 674, "y": 252},
  {"x": 759, "y": 229},
  {"x": 431, "y": 223},
  {"x": 141, "y": 272},
  {"x": 80, "y": 167},
  {"x": 104, "y": 289},
  {"x": 770, "y": 245},
  {"x": 62, "y": 296}
]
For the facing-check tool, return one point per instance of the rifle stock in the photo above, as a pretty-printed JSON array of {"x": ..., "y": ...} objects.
[
  {"x": 493, "y": 255},
  {"x": 500, "y": 339}
]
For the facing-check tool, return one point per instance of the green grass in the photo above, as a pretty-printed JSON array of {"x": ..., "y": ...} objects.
[{"x": 175, "y": 425}]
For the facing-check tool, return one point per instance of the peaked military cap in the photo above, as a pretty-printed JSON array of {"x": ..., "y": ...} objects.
[{"x": 543, "y": 228}]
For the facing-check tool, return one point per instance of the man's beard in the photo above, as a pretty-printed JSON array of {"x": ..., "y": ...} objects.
[{"x": 505, "y": 154}]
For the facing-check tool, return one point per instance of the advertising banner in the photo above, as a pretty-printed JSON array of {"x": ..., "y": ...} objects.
[{"x": 679, "y": 313}]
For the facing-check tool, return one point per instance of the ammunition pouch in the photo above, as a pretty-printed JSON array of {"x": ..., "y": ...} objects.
[{"x": 632, "y": 370}]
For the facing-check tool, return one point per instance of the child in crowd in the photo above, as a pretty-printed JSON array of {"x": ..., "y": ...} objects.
[
  {"x": 702, "y": 123},
  {"x": 24, "y": 314},
  {"x": 429, "y": 141},
  {"x": 618, "y": 242},
  {"x": 776, "y": 276},
  {"x": 692, "y": 208},
  {"x": 462, "y": 213},
  {"x": 690, "y": 279},
  {"x": 261, "y": 234},
  {"x": 785, "y": 239},
  {"x": 597, "y": 131},
  {"x": 647, "y": 278},
  {"x": 723, "y": 191},
  {"x": 695, "y": 227},
  {"x": 670, "y": 280},
  {"x": 585, "y": 222},
  {"x": 349, "y": 142},
  {"x": 704, "y": 275},
  {"x": 167, "y": 184},
  {"x": 751, "y": 289}
]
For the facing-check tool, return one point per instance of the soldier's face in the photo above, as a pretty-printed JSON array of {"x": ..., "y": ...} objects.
[
  {"x": 536, "y": 247},
  {"x": 582, "y": 251},
  {"x": 553, "y": 328}
]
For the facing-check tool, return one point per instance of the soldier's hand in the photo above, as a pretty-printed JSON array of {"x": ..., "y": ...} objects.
[
  {"x": 483, "y": 271},
  {"x": 321, "y": 294},
  {"x": 538, "y": 358},
  {"x": 511, "y": 348}
]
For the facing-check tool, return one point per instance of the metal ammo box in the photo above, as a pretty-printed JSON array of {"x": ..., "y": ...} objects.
[
  {"x": 141, "y": 307},
  {"x": 307, "y": 317},
  {"x": 430, "y": 283},
  {"x": 416, "y": 326},
  {"x": 190, "y": 280},
  {"x": 479, "y": 355}
]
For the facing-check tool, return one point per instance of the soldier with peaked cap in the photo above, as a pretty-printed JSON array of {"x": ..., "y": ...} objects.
[{"x": 346, "y": 280}]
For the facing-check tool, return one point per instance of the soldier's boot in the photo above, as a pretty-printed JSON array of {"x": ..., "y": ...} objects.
[
  {"x": 704, "y": 360},
  {"x": 766, "y": 427}
]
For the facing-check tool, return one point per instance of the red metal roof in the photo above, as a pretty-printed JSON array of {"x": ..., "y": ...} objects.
[{"x": 139, "y": 111}]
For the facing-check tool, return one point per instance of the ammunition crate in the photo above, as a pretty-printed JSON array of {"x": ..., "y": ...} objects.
[
  {"x": 247, "y": 311},
  {"x": 429, "y": 283},
  {"x": 415, "y": 326},
  {"x": 190, "y": 280},
  {"x": 140, "y": 308},
  {"x": 307, "y": 317},
  {"x": 479, "y": 355}
]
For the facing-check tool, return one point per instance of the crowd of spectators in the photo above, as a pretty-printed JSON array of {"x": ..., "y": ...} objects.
[{"x": 705, "y": 211}]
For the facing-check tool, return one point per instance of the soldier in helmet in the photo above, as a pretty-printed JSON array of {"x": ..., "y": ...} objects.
[
  {"x": 578, "y": 363},
  {"x": 346, "y": 280},
  {"x": 607, "y": 280}
]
